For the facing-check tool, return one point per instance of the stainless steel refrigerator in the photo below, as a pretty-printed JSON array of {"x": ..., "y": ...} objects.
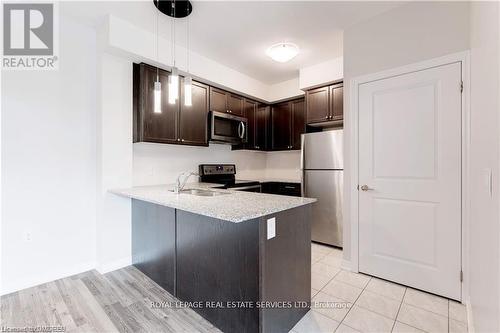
[{"x": 322, "y": 178}]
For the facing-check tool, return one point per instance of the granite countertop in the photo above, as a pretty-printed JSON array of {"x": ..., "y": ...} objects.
[{"x": 237, "y": 206}]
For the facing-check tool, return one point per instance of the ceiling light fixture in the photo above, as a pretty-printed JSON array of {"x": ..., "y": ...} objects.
[{"x": 283, "y": 52}]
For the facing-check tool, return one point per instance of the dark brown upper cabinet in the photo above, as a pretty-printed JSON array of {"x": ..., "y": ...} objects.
[
  {"x": 325, "y": 104},
  {"x": 263, "y": 114},
  {"x": 251, "y": 114},
  {"x": 287, "y": 124},
  {"x": 224, "y": 101},
  {"x": 236, "y": 105},
  {"x": 176, "y": 123},
  {"x": 337, "y": 102},
  {"x": 298, "y": 122},
  {"x": 281, "y": 124},
  {"x": 193, "y": 119},
  {"x": 218, "y": 100},
  {"x": 257, "y": 116}
]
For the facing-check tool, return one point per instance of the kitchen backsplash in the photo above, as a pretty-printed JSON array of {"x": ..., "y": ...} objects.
[{"x": 161, "y": 164}]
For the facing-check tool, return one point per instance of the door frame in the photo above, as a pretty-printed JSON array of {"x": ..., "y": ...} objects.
[{"x": 353, "y": 134}]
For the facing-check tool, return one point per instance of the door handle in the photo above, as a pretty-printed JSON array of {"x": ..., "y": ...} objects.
[
  {"x": 241, "y": 130},
  {"x": 365, "y": 188}
]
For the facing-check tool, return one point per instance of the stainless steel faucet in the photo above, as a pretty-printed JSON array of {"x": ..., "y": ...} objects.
[{"x": 180, "y": 186}]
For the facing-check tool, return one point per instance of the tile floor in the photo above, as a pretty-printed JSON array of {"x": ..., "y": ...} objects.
[{"x": 350, "y": 302}]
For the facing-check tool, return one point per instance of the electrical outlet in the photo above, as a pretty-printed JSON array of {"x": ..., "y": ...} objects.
[
  {"x": 271, "y": 228},
  {"x": 27, "y": 236}
]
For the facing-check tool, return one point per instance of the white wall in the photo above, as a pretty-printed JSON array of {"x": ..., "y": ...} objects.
[
  {"x": 161, "y": 164},
  {"x": 410, "y": 33},
  {"x": 325, "y": 72},
  {"x": 283, "y": 165},
  {"x": 48, "y": 165},
  {"x": 284, "y": 90},
  {"x": 114, "y": 162},
  {"x": 484, "y": 240}
]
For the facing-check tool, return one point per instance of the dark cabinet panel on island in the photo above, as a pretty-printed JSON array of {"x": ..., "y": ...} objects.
[
  {"x": 175, "y": 123},
  {"x": 230, "y": 269},
  {"x": 218, "y": 261},
  {"x": 153, "y": 242}
]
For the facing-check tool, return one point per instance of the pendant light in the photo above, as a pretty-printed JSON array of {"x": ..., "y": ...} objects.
[
  {"x": 157, "y": 84},
  {"x": 188, "y": 81},
  {"x": 173, "y": 85}
]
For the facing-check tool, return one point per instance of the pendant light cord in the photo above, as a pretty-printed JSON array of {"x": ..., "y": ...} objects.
[
  {"x": 187, "y": 10},
  {"x": 173, "y": 34},
  {"x": 156, "y": 44}
]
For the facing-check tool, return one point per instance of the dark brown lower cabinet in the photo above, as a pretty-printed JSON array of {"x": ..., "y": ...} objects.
[
  {"x": 282, "y": 188},
  {"x": 176, "y": 123},
  {"x": 238, "y": 276}
]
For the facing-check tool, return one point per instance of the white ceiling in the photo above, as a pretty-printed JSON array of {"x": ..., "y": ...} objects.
[{"x": 236, "y": 33}]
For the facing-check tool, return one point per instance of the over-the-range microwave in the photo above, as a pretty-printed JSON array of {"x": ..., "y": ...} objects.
[{"x": 226, "y": 128}]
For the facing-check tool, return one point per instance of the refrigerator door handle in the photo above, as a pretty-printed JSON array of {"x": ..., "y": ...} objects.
[
  {"x": 302, "y": 164},
  {"x": 302, "y": 186}
]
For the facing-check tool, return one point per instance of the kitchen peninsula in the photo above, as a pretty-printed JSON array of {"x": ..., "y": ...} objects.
[{"x": 244, "y": 256}]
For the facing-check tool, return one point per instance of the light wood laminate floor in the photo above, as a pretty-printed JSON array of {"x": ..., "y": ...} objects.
[{"x": 119, "y": 301}]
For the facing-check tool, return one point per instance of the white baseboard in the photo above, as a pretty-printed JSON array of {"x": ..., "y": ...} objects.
[
  {"x": 470, "y": 319},
  {"x": 48, "y": 276},
  {"x": 104, "y": 268},
  {"x": 346, "y": 265}
]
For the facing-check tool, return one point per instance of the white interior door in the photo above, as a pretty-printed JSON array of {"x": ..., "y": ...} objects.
[{"x": 410, "y": 160}]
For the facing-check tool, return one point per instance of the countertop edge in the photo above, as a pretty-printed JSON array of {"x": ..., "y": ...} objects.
[{"x": 125, "y": 193}]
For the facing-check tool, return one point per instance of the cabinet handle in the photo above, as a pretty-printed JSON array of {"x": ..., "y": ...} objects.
[
  {"x": 182, "y": 140},
  {"x": 327, "y": 117},
  {"x": 178, "y": 139}
]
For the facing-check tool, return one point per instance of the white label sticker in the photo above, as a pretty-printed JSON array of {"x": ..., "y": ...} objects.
[{"x": 271, "y": 228}]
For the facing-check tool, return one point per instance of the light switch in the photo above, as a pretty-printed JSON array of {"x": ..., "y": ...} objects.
[
  {"x": 488, "y": 181},
  {"x": 271, "y": 228}
]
